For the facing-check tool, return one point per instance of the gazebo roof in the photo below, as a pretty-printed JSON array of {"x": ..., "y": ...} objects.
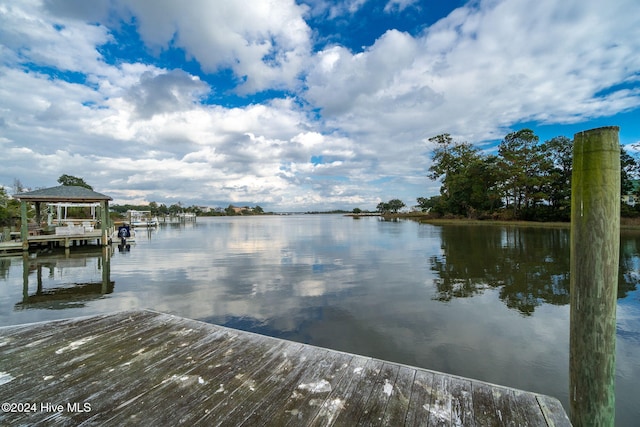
[{"x": 62, "y": 193}]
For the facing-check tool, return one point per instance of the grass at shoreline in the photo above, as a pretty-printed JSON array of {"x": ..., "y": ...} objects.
[
  {"x": 494, "y": 222},
  {"x": 625, "y": 223}
]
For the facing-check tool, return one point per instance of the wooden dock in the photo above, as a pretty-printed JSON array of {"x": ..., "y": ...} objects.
[
  {"x": 148, "y": 368},
  {"x": 53, "y": 240}
]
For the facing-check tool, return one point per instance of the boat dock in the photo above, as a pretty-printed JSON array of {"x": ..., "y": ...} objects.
[
  {"x": 181, "y": 218},
  {"x": 90, "y": 224},
  {"x": 148, "y": 368},
  {"x": 53, "y": 240}
]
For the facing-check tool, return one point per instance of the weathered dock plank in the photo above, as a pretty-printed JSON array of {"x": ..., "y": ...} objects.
[
  {"x": 357, "y": 395},
  {"x": 148, "y": 368},
  {"x": 484, "y": 409},
  {"x": 399, "y": 397},
  {"x": 440, "y": 409},
  {"x": 334, "y": 404},
  {"x": 553, "y": 411},
  {"x": 302, "y": 404},
  {"x": 461, "y": 402},
  {"x": 420, "y": 401},
  {"x": 379, "y": 396}
]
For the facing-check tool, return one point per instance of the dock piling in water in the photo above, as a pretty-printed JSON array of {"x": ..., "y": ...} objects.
[{"x": 595, "y": 251}]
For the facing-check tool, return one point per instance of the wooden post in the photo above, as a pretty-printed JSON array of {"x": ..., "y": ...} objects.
[
  {"x": 595, "y": 250},
  {"x": 106, "y": 269},
  {"x": 38, "y": 215},
  {"x": 24, "y": 227},
  {"x": 25, "y": 276},
  {"x": 104, "y": 222}
]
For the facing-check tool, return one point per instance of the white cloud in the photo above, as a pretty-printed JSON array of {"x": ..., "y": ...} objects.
[
  {"x": 140, "y": 131},
  {"x": 481, "y": 69},
  {"x": 168, "y": 92},
  {"x": 398, "y": 5},
  {"x": 266, "y": 43},
  {"x": 343, "y": 82},
  {"x": 65, "y": 44}
]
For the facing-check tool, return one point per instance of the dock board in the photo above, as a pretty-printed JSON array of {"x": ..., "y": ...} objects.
[{"x": 148, "y": 368}]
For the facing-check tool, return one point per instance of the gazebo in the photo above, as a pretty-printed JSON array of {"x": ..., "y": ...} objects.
[{"x": 64, "y": 197}]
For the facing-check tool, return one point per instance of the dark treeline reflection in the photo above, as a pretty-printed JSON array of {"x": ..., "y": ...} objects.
[{"x": 529, "y": 265}]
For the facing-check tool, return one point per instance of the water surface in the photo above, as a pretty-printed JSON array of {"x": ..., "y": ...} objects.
[{"x": 487, "y": 302}]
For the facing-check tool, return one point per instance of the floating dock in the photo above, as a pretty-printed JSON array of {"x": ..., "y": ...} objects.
[{"x": 148, "y": 368}]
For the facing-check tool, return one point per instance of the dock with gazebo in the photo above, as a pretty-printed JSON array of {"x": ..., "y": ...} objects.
[{"x": 74, "y": 216}]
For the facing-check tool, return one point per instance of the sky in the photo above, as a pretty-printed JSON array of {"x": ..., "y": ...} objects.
[{"x": 298, "y": 105}]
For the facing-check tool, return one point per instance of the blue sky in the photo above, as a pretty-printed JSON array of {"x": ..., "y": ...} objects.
[{"x": 307, "y": 105}]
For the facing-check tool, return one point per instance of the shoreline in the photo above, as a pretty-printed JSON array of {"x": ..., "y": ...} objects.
[{"x": 632, "y": 224}]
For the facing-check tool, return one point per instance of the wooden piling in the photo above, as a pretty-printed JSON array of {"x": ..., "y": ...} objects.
[
  {"x": 595, "y": 250},
  {"x": 24, "y": 227}
]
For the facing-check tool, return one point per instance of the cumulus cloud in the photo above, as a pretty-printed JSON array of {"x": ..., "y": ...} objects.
[
  {"x": 266, "y": 44},
  {"x": 485, "y": 67},
  {"x": 342, "y": 82},
  {"x": 66, "y": 44},
  {"x": 169, "y": 92},
  {"x": 351, "y": 128}
]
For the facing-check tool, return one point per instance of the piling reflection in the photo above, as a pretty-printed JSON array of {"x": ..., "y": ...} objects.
[{"x": 49, "y": 268}]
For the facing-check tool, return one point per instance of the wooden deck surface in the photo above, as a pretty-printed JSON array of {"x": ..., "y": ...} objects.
[{"x": 148, "y": 368}]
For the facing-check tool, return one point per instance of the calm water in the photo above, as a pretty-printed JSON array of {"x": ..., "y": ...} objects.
[{"x": 485, "y": 302}]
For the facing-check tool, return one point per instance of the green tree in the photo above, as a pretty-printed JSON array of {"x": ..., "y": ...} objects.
[
  {"x": 628, "y": 172},
  {"x": 382, "y": 207},
  {"x": 395, "y": 205},
  {"x": 469, "y": 179},
  {"x": 559, "y": 151},
  {"x": 153, "y": 207},
  {"x": 448, "y": 160},
  {"x": 432, "y": 204},
  {"x": 258, "y": 210},
  {"x": 477, "y": 185},
  {"x": 73, "y": 180},
  {"x": 525, "y": 170},
  {"x": 9, "y": 209},
  {"x": 423, "y": 203}
]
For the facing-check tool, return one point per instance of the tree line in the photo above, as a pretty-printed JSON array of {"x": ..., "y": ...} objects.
[
  {"x": 10, "y": 207},
  {"x": 525, "y": 180},
  {"x": 393, "y": 206}
]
